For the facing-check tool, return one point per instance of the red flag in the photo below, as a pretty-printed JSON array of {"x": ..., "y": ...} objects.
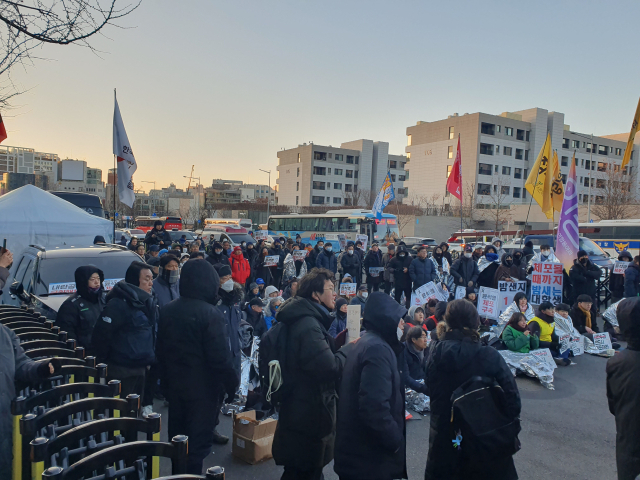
[
  {"x": 454, "y": 182},
  {"x": 3, "y": 131}
]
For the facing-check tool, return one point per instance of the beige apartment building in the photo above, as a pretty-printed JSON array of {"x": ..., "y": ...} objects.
[{"x": 317, "y": 175}]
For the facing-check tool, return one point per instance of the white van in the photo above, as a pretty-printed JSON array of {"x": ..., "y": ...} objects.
[{"x": 241, "y": 222}]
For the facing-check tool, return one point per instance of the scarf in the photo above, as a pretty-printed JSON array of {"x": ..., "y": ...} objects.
[{"x": 587, "y": 316}]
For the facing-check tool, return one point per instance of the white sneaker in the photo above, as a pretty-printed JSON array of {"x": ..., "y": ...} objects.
[{"x": 146, "y": 410}]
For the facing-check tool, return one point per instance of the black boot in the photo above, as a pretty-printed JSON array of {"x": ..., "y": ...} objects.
[{"x": 219, "y": 439}]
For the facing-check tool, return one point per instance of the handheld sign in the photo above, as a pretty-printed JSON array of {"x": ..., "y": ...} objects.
[
  {"x": 461, "y": 292},
  {"x": 620, "y": 266},
  {"x": 347, "y": 289},
  {"x": 271, "y": 261},
  {"x": 507, "y": 291},
  {"x": 353, "y": 322},
  {"x": 299, "y": 255},
  {"x": 488, "y": 302},
  {"x": 260, "y": 234},
  {"x": 364, "y": 239}
]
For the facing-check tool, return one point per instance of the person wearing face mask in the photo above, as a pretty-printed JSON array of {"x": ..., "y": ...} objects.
[
  {"x": 414, "y": 359},
  {"x": 339, "y": 318},
  {"x": 251, "y": 254},
  {"x": 255, "y": 316},
  {"x": 327, "y": 259},
  {"x": 350, "y": 263},
  {"x": 487, "y": 266},
  {"x": 545, "y": 255},
  {"x": 464, "y": 270},
  {"x": 504, "y": 271},
  {"x": 399, "y": 268},
  {"x": 240, "y": 269},
  {"x": 79, "y": 313},
  {"x": 444, "y": 246},
  {"x": 421, "y": 269},
  {"x": 616, "y": 283},
  {"x": 361, "y": 297},
  {"x": 313, "y": 255},
  {"x": 217, "y": 255},
  {"x": 167, "y": 285},
  {"x": 373, "y": 259},
  {"x": 584, "y": 275},
  {"x": 519, "y": 265},
  {"x": 497, "y": 243}
]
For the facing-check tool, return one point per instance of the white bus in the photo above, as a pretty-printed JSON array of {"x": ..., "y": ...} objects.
[
  {"x": 242, "y": 222},
  {"x": 614, "y": 236}
]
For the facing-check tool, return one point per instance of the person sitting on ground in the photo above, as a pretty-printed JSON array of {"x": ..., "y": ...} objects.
[
  {"x": 517, "y": 337},
  {"x": 270, "y": 311},
  {"x": 520, "y": 304},
  {"x": 431, "y": 322},
  {"x": 415, "y": 317},
  {"x": 254, "y": 292},
  {"x": 339, "y": 323},
  {"x": 585, "y": 321},
  {"x": 361, "y": 297},
  {"x": 261, "y": 287},
  {"x": 291, "y": 289},
  {"x": 471, "y": 296},
  {"x": 543, "y": 325},
  {"x": 430, "y": 307},
  {"x": 255, "y": 316},
  {"x": 270, "y": 292},
  {"x": 413, "y": 359}
]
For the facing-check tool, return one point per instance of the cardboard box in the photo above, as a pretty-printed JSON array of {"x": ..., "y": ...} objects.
[{"x": 252, "y": 439}]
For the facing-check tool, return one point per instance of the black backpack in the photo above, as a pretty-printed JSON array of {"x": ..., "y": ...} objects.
[
  {"x": 272, "y": 364},
  {"x": 480, "y": 429}
]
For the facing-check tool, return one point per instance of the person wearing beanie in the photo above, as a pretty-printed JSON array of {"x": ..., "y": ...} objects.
[
  {"x": 217, "y": 255},
  {"x": 465, "y": 269},
  {"x": 99, "y": 240},
  {"x": 584, "y": 275},
  {"x": 623, "y": 390},
  {"x": 253, "y": 292},
  {"x": 255, "y": 316},
  {"x": 528, "y": 251},
  {"x": 583, "y": 316},
  {"x": 157, "y": 235},
  {"x": 339, "y": 318}
]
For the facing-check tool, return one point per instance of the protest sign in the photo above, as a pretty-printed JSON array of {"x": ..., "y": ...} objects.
[
  {"x": 507, "y": 291},
  {"x": 443, "y": 293},
  {"x": 575, "y": 343},
  {"x": 299, "y": 255},
  {"x": 347, "y": 289},
  {"x": 488, "y": 302},
  {"x": 68, "y": 287},
  {"x": 445, "y": 266},
  {"x": 426, "y": 292},
  {"x": 375, "y": 271},
  {"x": 260, "y": 234},
  {"x": 364, "y": 239},
  {"x": 109, "y": 283},
  {"x": 461, "y": 292},
  {"x": 342, "y": 241},
  {"x": 271, "y": 260},
  {"x": 546, "y": 283},
  {"x": 620, "y": 266},
  {"x": 544, "y": 354},
  {"x": 602, "y": 341},
  {"x": 353, "y": 322}
]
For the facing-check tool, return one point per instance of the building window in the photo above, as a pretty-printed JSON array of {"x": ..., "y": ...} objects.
[
  {"x": 498, "y": 127},
  {"x": 565, "y": 143},
  {"x": 349, "y": 173},
  {"x": 298, "y": 158},
  {"x": 328, "y": 185},
  {"x": 348, "y": 187},
  {"x": 337, "y": 171},
  {"x": 317, "y": 200},
  {"x": 330, "y": 155},
  {"x": 449, "y": 151},
  {"x": 506, "y": 170},
  {"x": 618, "y": 151},
  {"x": 519, "y": 134},
  {"x": 393, "y": 164},
  {"x": 339, "y": 157},
  {"x": 328, "y": 199},
  {"x": 575, "y": 143},
  {"x": 319, "y": 156},
  {"x": 451, "y": 129},
  {"x": 337, "y": 186},
  {"x": 564, "y": 178},
  {"x": 526, "y": 155},
  {"x": 603, "y": 150},
  {"x": 525, "y": 174},
  {"x": 484, "y": 169},
  {"x": 355, "y": 175},
  {"x": 505, "y": 189},
  {"x": 564, "y": 161},
  {"x": 297, "y": 186},
  {"x": 495, "y": 189},
  {"x": 486, "y": 149},
  {"x": 516, "y": 192},
  {"x": 487, "y": 128},
  {"x": 586, "y": 181},
  {"x": 349, "y": 158},
  {"x": 328, "y": 171},
  {"x": 297, "y": 172},
  {"x": 600, "y": 183},
  {"x": 496, "y": 169},
  {"x": 588, "y": 148},
  {"x": 319, "y": 171},
  {"x": 602, "y": 167},
  {"x": 587, "y": 164},
  {"x": 517, "y": 173},
  {"x": 401, "y": 178},
  {"x": 576, "y": 162},
  {"x": 449, "y": 167},
  {"x": 337, "y": 200},
  {"x": 393, "y": 177},
  {"x": 507, "y": 151},
  {"x": 519, "y": 153},
  {"x": 484, "y": 189},
  {"x": 527, "y": 136},
  {"x": 357, "y": 159},
  {"x": 508, "y": 131},
  {"x": 296, "y": 200},
  {"x": 497, "y": 149},
  {"x": 409, "y": 140}
]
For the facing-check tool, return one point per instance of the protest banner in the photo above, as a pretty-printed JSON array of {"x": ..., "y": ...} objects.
[
  {"x": 353, "y": 322},
  {"x": 271, "y": 260},
  {"x": 488, "y": 302},
  {"x": 602, "y": 341},
  {"x": 375, "y": 271},
  {"x": 573, "y": 342},
  {"x": 342, "y": 241},
  {"x": 348, "y": 288},
  {"x": 299, "y": 255},
  {"x": 109, "y": 283},
  {"x": 364, "y": 239},
  {"x": 260, "y": 234},
  {"x": 507, "y": 291},
  {"x": 461, "y": 292},
  {"x": 544, "y": 354},
  {"x": 426, "y": 292},
  {"x": 620, "y": 266},
  {"x": 546, "y": 283}
]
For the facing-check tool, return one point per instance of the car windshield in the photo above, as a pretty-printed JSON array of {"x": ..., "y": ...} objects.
[
  {"x": 177, "y": 235},
  {"x": 590, "y": 247},
  {"x": 56, "y": 273},
  {"x": 136, "y": 231},
  {"x": 238, "y": 238}
]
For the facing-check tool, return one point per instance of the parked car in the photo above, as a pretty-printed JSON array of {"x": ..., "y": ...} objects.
[
  {"x": 234, "y": 234},
  {"x": 120, "y": 234},
  {"x": 415, "y": 242},
  {"x": 177, "y": 234},
  {"x": 136, "y": 232}
]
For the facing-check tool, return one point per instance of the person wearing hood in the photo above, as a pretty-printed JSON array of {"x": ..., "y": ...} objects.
[
  {"x": 195, "y": 358},
  {"x": 240, "y": 270},
  {"x": 327, "y": 259},
  {"x": 623, "y": 391},
  {"x": 465, "y": 270},
  {"x": 313, "y": 255},
  {"x": 99, "y": 240},
  {"x": 471, "y": 296},
  {"x": 399, "y": 268},
  {"x": 350, "y": 264},
  {"x": 270, "y": 310},
  {"x": 543, "y": 326},
  {"x": 413, "y": 359},
  {"x": 497, "y": 243},
  {"x": 262, "y": 271},
  {"x": 339, "y": 318},
  {"x": 421, "y": 270},
  {"x": 528, "y": 250},
  {"x": 359, "y": 250},
  {"x": 291, "y": 290},
  {"x": 124, "y": 336},
  {"x": 415, "y": 318},
  {"x": 79, "y": 313},
  {"x": 506, "y": 271},
  {"x": 517, "y": 337},
  {"x": 388, "y": 276},
  {"x": 519, "y": 265},
  {"x": 217, "y": 255},
  {"x": 133, "y": 244},
  {"x": 157, "y": 235},
  {"x": 255, "y": 316},
  {"x": 584, "y": 275},
  {"x": 373, "y": 259},
  {"x": 616, "y": 282},
  {"x": 253, "y": 292},
  {"x": 478, "y": 251},
  {"x": 305, "y": 433},
  {"x": 250, "y": 253},
  {"x": 123, "y": 241},
  {"x": 361, "y": 297},
  {"x": 444, "y": 246},
  {"x": 371, "y": 433},
  {"x": 632, "y": 279},
  {"x": 6, "y": 260},
  {"x": 457, "y": 357},
  {"x": 167, "y": 285},
  {"x": 487, "y": 267}
]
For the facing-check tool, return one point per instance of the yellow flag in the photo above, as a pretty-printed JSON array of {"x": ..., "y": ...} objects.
[
  {"x": 539, "y": 182},
  {"x": 557, "y": 187},
  {"x": 632, "y": 136}
]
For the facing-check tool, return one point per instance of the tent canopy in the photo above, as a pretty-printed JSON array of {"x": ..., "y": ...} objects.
[{"x": 31, "y": 216}]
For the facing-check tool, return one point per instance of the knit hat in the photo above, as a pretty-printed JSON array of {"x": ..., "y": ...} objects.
[
  {"x": 157, "y": 222},
  {"x": 582, "y": 253},
  {"x": 154, "y": 248},
  {"x": 237, "y": 248},
  {"x": 256, "y": 302},
  {"x": 222, "y": 269},
  {"x": 162, "y": 252},
  {"x": 362, "y": 288},
  {"x": 584, "y": 298},
  {"x": 253, "y": 285}
]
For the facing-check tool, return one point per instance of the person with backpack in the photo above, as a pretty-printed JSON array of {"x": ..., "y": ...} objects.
[
  {"x": 303, "y": 356},
  {"x": 455, "y": 359},
  {"x": 371, "y": 434}
]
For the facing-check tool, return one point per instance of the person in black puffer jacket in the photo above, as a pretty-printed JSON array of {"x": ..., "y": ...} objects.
[
  {"x": 399, "y": 267},
  {"x": 632, "y": 279},
  {"x": 584, "y": 275},
  {"x": 124, "y": 336},
  {"x": 351, "y": 265},
  {"x": 158, "y": 236},
  {"x": 373, "y": 259},
  {"x": 422, "y": 270},
  {"x": 79, "y": 313},
  {"x": 616, "y": 283},
  {"x": 414, "y": 359},
  {"x": 371, "y": 433},
  {"x": 195, "y": 360},
  {"x": 327, "y": 259},
  {"x": 217, "y": 255}
]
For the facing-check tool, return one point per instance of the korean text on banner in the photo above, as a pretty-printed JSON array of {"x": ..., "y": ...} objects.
[
  {"x": 426, "y": 292},
  {"x": 507, "y": 291},
  {"x": 260, "y": 234},
  {"x": 567, "y": 245},
  {"x": 271, "y": 260},
  {"x": 461, "y": 292},
  {"x": 375, "y": 271},
  {"x": 347, "y": 289},
  {"x": 353, "y": 322},
  {"x": 620, "y": 266},
  {"x": 299, "y": 255},
  {"x": 546, "y": 283},
  {"x": 127, "y": 165},
  {"x": 488, "y": 299}
]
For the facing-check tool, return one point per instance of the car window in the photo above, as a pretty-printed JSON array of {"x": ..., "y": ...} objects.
[
  {"x": 22, "y": 268},
  {"x": 590, "y": 247},
  {"x": 238, "y": 238},
  {"x": 27, "y": 281}
]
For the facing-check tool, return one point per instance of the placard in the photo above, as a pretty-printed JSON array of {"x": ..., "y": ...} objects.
[
  {"x": 364, "y": 239},
  {"x": 342, "y": 241},
  {"x": 488, "y": 302},
  {"x": 353, "y": 322},
  {"x": 109, "y": 283},
  {"x": 507, "y": 291},
  {"x": 59, "y": 288},
  {"x": 445, "y": 266},
  {"x": 546, "y": 283},
  {"x": 461, "y": 292},
  {"x": 573, "y": 342},
  {"x": 375, "y": 271},
  {"x": 260, "y": 234},
  {"x": 544, "y": 354},
  {"x": 602, "y": 341},
  {"x": 271, "y": 260},
  {"x": 348, "y": 289},
  {"x": 299, "y": 255},
  {"x": 620, "y": 266},
  {"x": 443, "y": 293},
  {"x": 426, "y": 292}
]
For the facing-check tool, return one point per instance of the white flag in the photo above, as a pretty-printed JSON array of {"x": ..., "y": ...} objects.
[{"x": 126, "y": 161}]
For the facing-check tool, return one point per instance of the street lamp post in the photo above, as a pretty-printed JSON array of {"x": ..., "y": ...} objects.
[
  {"x": 268, "y": 192},
  {"x": 199, "y": 183}
]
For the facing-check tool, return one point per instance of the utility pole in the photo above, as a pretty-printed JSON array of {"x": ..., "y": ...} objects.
[{"x": 268, "y": 192}]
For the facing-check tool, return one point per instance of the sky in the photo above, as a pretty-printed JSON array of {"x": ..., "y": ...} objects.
[{"x": 225, "y": 85}]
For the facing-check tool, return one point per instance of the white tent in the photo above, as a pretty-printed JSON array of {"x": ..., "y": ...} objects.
[{"x": 31, "y": 216}]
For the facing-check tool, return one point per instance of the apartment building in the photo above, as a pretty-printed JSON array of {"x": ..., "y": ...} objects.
[
  {"x": 249, "y": 192},
  {"x": 315, "y": 175},
  {"x": 498, "y": 152}
]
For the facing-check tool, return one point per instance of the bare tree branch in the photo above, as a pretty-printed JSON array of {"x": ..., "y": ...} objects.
[{"x": 615, "y": 194}]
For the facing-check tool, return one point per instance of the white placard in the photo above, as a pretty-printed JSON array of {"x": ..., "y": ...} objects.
[
  {"x": 342, "y": 241},
  {"x": 299, "y": 255},
  {"x": 445, "y": 266},
  {"x": 602, "y": 341},
  {"x": 109, "y": 283},
  {"x": 546, "y": 283},
  {"x": 461, "y": 292},
  {"x": 347, "y": 289},
  {"x": 545, "y": 354},
  {"x": 488, "y": 302},
  {"x": 443, "y": 293},
  {"x": 260, "y": 234},
  {"x": 426, "y": 292},
  {"x": 375, "y": 271},
  {"x": 507, "y": 291},
  {"x": 353, "y": 322},
  {"x": 271, "y": 260},
  {"x": 58, "y": 288},
  {"x": 620, "y": 266},
  {"x": 364, "y": 239}
]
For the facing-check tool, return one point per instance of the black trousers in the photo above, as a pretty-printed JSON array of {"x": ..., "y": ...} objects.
[
  {"x": 407, "y": 294},
  {"x": 150, "y": 385},
  {"x": 387, "y": 287},
  {"x": 131, "y": 380},
  {"x": 293, "y": 474},
  {"x": 195, "y": 418}
]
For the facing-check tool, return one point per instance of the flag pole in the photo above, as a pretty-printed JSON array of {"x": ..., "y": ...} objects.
[
  {"x": 530, "y": 202},
  {"x": 114, "y": 183}
]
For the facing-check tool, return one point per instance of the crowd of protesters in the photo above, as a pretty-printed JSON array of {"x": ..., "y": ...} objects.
[{"x": 178, "y": 317}]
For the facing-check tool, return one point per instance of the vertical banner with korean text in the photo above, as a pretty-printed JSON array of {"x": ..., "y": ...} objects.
[
  {"x": 546, "y": 283},
  {"x": 507, "y": 291}
]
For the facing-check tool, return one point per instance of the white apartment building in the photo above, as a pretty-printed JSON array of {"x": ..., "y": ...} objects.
[
  {"x": 26, "y": 160},
  {"x": 315, "y": 175},
  {"x": 76, "y": 176},
  {"x": 498, "y": 152}
]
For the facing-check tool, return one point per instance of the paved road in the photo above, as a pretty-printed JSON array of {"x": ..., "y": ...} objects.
[{"x": 567, "y": 433}]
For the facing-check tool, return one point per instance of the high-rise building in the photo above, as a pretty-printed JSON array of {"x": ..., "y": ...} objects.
[
  {"x": 11, "y": 181},
  {"x": 315, "y": 175}
]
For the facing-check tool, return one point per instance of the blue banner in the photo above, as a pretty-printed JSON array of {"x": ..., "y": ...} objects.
[{"x": 385, "y": 195}]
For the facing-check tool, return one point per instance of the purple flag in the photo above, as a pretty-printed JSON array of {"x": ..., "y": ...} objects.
[{"x": 567, "y": 245}]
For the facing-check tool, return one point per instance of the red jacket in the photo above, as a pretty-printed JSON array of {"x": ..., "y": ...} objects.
[{"x": 240, "y": 269}]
